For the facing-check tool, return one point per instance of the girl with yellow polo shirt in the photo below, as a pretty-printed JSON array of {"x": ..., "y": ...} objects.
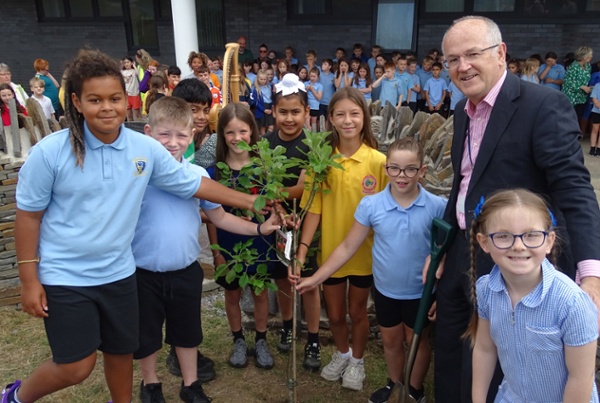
[{"x": 363, "y": 174}]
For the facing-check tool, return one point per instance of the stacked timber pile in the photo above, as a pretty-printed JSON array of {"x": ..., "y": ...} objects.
[{"x": 434, "y": 132}]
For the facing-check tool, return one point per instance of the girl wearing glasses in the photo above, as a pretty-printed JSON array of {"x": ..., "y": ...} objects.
[
  {"x": 532, "y": 318},
  {"x": 400, "y": 217}
]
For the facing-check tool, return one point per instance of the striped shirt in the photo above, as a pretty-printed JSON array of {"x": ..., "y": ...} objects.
[
  {"x": 479, "y": 116},
  {"x": 530, "y": 338}
]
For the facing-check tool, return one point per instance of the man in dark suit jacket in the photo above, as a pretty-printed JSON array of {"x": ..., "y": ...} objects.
[{"x": 507, "y": 134}]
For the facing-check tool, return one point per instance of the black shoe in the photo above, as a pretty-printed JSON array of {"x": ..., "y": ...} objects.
[
  {"x": 382, "y": 395},
  {"x": 206, "y": 366},
  {"x": 597, "y": 152},
  {"x": 593, "y": 151},
  {"x": 285, "y": 343},
  {"x": 312, "y": 357},
  {"x": 193, "y": 393},
  {"x": 151, "y": 393}
]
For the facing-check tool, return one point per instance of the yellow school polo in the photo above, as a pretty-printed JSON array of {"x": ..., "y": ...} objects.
[{"x": 363, "y": 175}]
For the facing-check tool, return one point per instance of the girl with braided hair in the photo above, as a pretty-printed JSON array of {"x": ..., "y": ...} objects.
[
  {"x": 76, "y": 265},
  {"x": 530, "y": 317}
]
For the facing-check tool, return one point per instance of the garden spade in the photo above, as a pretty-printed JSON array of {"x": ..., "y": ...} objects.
[{"x": 400, "y": 392}]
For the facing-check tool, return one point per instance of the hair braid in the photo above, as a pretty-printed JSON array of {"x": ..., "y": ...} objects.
[{"x": 471, "y": 331}]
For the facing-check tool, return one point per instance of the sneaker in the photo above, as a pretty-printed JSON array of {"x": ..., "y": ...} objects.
[
  {"x": 239, "y": 355},
  {"x": 593, "y": 151},
  {"x": 354, "y": 376},
  {"x": 262, "y": 355},
  {"x": 206, "y": 366},
  {"x": 151, "y": 393},
  {"x": 312, "y": 357},
  {"x": 193, "y": 393},
  {"x": 285, "y": 343},
  {"x": 10, "y": 388},
  {"x": 333, "y": 371},
  {"x": 382, "y": 395},
  {"x": 597, "y": 152}
]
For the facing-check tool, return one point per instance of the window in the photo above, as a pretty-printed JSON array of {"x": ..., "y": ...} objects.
[
  {"x": 141, "y": 25},
  {"x": 395, "y": 20},
  {"x": 209, "y": 19},
  {"x": 66, "y": 10},
  {"x": 592, "y": 5},
  {"x": 494, "y": 5},
  {"x": 444, "y": 6},
  {"x": 110, "y": 8},
  {"x": 339, "y": 10}
]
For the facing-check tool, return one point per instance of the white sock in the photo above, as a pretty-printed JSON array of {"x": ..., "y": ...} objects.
[
  {"x": 359, "y": 361},
  {"x": 346, "y": 355}
]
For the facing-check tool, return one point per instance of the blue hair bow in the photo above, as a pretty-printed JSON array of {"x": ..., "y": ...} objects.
[
  {"x": 479, "y": 207},
  {"x": 552, "y": 218}
]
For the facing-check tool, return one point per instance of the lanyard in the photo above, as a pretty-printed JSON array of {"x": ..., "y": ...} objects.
[{"x": 469, "y": 142}]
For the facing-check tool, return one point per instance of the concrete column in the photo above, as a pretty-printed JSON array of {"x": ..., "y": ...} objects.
[{"x": 185, "y": 32}]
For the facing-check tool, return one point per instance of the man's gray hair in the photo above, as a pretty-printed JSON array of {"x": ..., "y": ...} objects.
[
  {"x": 493, "y": 35},
  {"x": 4, "y": 67}
]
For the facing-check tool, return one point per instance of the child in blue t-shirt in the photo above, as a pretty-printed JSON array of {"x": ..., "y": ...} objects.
[
  {"x": 314, "y": 89},
  {"x": 363, "y": 82},
  {"x": 327, "y": 80},
  {"x": 79, "y": 195},
  {"x": 168, "y": 223},
  {"x": 399, "y": 215},
  {"x": 262, "y": 94},
  {"x": 455, "y": 96},
  {"x": 595, "y": 117},
  {"x": 435, "y": 90},
  {"x": 414, "y": 85},
  {"x": 392, "y": 88}
]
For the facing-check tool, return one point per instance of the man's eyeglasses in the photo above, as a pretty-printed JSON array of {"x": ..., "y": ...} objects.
[
  {"x": 394, "y": 171},
  {"x": 531, "y": 239},
  {"x": 454, "y": 61},
  {"x": 262, "y": 51}
]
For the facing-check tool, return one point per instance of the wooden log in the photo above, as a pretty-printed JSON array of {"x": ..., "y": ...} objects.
[{"x": 15, "y": 139}]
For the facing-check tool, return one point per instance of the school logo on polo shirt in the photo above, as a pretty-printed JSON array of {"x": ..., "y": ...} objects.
[
  {"x": 140, "y": 166},
  {"x": 369, "y": 183}
]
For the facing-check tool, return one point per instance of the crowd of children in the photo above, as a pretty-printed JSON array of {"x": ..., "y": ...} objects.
[{"x": 96, "y": 293}]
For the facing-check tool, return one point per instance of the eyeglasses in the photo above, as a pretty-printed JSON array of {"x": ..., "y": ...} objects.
[
  {"x": 531, "y": 239},
  {"x": 454, "y": 61},
  {"x": 394, "y": 171},
  {"x": 4, "y": 74},
  {"x": 262, "y": 51}
]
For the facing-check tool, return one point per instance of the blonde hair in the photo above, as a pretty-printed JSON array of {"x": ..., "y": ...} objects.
[
  {"x": 531, "y": 68},
  {"x": 261, "y": 73},
  {"x": 513, "y": 198},
  {"x": 170, "y": 110}
]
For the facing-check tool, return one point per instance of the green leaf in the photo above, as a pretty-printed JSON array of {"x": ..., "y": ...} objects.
[
  {"x": 260, "y": 203},
  {"x": 243, "y": 280},
  {"x": 231, "y": 275}
]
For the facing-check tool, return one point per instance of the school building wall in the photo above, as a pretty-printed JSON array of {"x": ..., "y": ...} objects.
[{"x": 24, "y": 39}]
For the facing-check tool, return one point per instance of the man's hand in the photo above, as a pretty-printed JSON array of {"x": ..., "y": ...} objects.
[
  {"x": 438, "y": 272},
  {"x": 591, "y": 285}
]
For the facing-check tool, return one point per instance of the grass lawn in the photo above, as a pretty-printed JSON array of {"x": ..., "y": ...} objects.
[{"x": 23, "y": 346}]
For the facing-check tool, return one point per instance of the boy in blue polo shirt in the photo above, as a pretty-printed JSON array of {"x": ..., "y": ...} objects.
[
  {"x": 392, "y": 88},
  {"x": 327, "y": 79},
  {"x": 76, "y": 267},
  {"x": 400, "y": 215},
  {"x": 165, "y": 248},
  {"x": 435, "y": 90}
]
